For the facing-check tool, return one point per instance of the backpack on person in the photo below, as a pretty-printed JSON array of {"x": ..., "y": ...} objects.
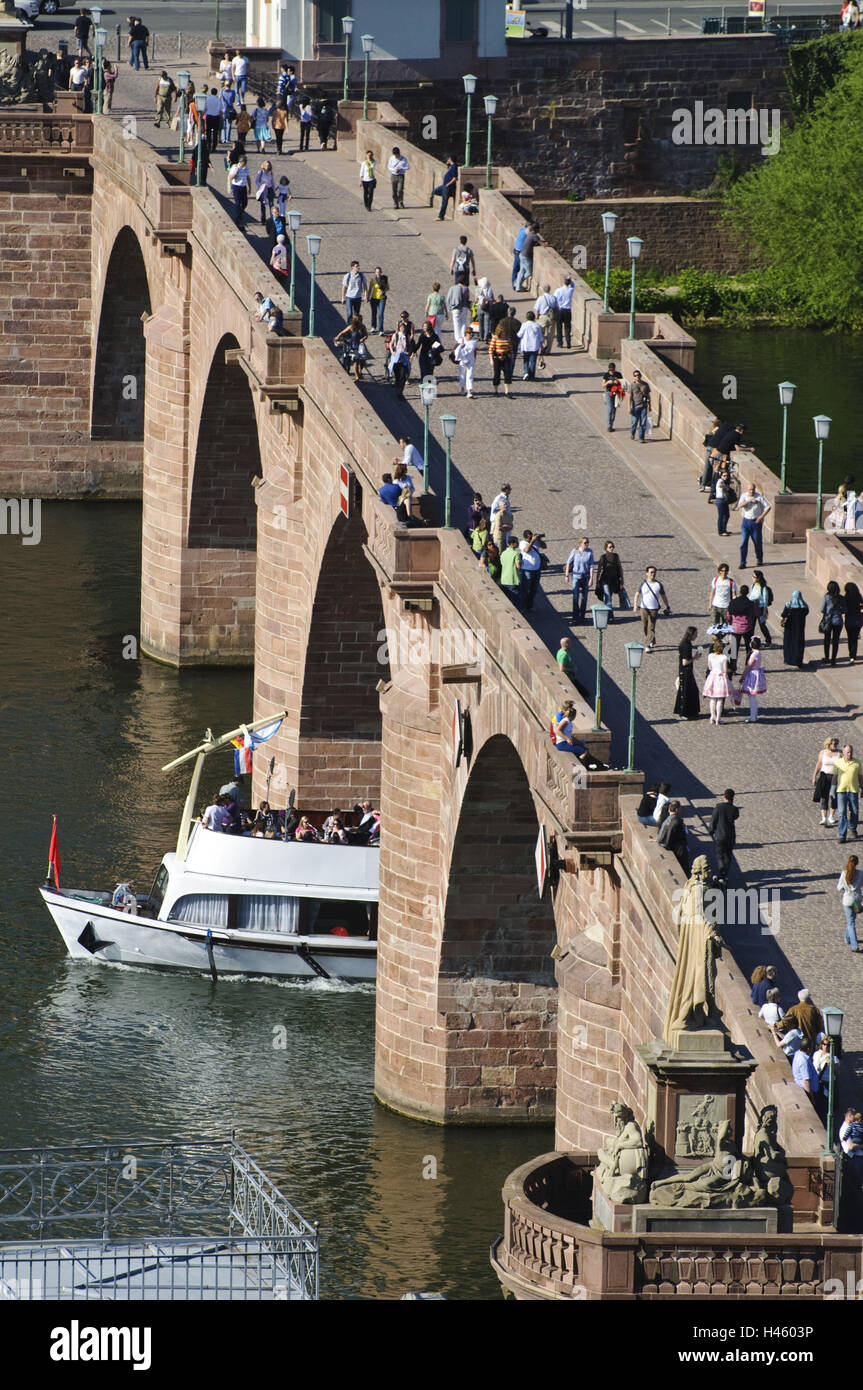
[{"x": 461, "y": 260}]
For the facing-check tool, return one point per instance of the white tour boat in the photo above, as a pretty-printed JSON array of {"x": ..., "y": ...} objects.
[{"x": 235, "y": 904}]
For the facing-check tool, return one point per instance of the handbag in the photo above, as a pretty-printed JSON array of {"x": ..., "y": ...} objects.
[
  {"x": 824, "y": 625},
  {"x": 625, "y": 601},
  {"x": 175, "y": 122}
]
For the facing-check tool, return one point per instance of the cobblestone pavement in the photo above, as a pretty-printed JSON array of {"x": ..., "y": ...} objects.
[{"x": 550, "y": 442}]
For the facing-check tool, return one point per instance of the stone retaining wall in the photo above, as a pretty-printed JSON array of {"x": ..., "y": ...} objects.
[{"x": 677, "y": 232}]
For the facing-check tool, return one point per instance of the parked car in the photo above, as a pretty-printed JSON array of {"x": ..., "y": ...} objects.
[{"x": 28, "y": 10}]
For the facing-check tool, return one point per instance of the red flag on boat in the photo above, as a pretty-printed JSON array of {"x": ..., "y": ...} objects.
[{"x": 54, "y": 856}]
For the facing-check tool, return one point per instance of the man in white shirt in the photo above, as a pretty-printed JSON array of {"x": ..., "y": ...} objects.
[
  {"x": 530, "y": 341},
  {"x": 353, "y": 289},
  {"x": 650, "y": 596},
  {"x": 754, "y": 508},
  {"x": 411, "y": 457},
  {"x": 545, "y": 309},
  {"x": 531, "y": 567},
  {"x": 501, "y": 502},
  {"x": 240, "y": 74},
  {"x": 563, "y": 300},
  {"x": 217, "y": 816},
  {"x": 397, "y": 167}
]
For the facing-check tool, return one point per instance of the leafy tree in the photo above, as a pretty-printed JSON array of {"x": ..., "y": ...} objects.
[
  {"x": 815, "y": 67},
  {"x": 802, "y": 210}
]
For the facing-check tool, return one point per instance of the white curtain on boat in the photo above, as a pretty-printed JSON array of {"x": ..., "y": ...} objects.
[
  {"x": 265, "y": 912},
  {"x": 204, "y": 909}
]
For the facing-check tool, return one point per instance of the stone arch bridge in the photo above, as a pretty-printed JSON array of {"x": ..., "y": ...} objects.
[{"x": 376, "y": 638}]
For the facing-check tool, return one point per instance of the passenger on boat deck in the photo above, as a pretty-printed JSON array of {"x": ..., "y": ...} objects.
[
  {"x": 292, "y": 820},
  {"x": 375, "y": 831},
  {"x": 366, "y": 814},
  {"x": 336, "y": 835},
  {"x": 217, "y": 816},
  {"x": 266, "y": 822},
  {"x": 124, "y": 899},
  {"x": 330, "y": 821},
  {"x": 305, "y": 830}
]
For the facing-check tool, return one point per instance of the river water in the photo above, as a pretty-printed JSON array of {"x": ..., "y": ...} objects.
[
  {"x": 91, "y": 1052},
  {"x": 826, "y": 369}
]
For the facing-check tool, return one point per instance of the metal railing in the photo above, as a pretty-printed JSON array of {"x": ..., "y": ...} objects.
[{"x": 148, "y": 1219}]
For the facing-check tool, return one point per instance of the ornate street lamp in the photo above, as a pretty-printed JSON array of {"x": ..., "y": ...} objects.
[
  {"x": 295, "y": 217},
  {"x": 347, "y": 30},
  {"x": 428, "y": 392},
  {"x": 634, "y": 245},
  {"x": 183, "y": 79},
  {"x": 822, "y": 429},
  {"x": 833, "y": 1028},
  {"x": 609, "y": 222},
  {"x": 448, "y": 423},
  {"x": 634, "y": 654},
  {"x": 490, "y": 108},
  {"x": 469, "y": 88},
  {"x": 100, "y": 37},
  {"x": 600, "y": 612},
  {"x": 786, "y": 396},
  {"x": 368, "y": 45},
  {"x": 314, "y": 244}
]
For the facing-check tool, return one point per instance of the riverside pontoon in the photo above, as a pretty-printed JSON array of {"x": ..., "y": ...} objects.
[{"x": 235, "y": 904}]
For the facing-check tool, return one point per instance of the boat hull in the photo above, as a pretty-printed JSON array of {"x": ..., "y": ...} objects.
[{"x": 96, "y": 933}]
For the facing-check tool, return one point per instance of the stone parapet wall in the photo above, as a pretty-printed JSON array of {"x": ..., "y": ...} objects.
[{"x": 831, "y": 556}]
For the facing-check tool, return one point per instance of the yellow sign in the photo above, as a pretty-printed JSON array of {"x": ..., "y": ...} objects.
[{"x": 515, "y": 24}]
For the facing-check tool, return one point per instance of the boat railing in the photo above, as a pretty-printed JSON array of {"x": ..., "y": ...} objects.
[{"x": 171, "y": 1195}]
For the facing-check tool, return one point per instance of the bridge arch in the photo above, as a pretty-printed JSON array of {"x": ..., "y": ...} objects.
[
  {"x": 496, "y": 983},
  {"x": 119, "y": 369},
  {"x": 222, "y": 512},
  {"x": 346, "y": 656}
]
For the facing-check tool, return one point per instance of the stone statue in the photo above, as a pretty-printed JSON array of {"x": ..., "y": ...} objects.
[
  {"x": 691, "y": 1002},
  {"x": 729, "y": 1180},
  {"x": 622, "y": 1169},
  {"x": 769, "y": 1164},
  {"x": 719, "y": 1183}
]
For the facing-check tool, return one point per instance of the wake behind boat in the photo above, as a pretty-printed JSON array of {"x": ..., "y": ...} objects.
[{"x": 234, "y": 904}]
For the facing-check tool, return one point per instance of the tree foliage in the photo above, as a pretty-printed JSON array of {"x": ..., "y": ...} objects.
[
  {"x": 801, "y": 211},
  {"x": 815, "y": 67}
]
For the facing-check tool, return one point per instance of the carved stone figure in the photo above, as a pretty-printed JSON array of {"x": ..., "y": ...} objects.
[
  {"x": 719, "y": 1183},
  {"x": 622, "y": 1169},
  {"x": 769, "y": 1164},
  {"x": 697, "y": 1126},
  {"x": 729, "y": 1180},
  {"x": 691, "y": 1001}
]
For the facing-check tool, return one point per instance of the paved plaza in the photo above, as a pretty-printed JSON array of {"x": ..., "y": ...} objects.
[{"x": 550, "y": 442}]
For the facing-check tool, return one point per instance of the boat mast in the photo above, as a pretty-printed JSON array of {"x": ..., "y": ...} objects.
[{"x": 210, "y": 745}]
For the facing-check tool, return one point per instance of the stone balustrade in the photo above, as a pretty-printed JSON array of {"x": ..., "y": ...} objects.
[
  {"x": 37, "y": 133},
  {"x": 549, "y": 1252}
]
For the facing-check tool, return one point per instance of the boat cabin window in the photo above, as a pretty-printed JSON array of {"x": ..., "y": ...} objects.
[
  {"x": 327, "y": 917},
  {"x": 157, "y": 892},
  {"x": 276, "y": 913},
  {"x": 268, "y": 912},
  {"x": 204, "y": 909}
]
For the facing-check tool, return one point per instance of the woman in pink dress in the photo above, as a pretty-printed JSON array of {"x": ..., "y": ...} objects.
[
  {"x": 754, "y": 681},
  {"x": 717, "y": 686}
]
